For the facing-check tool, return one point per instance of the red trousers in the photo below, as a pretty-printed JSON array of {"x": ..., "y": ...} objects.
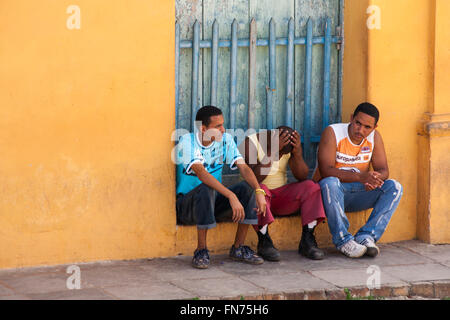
[{"x": 290, "y": 198}]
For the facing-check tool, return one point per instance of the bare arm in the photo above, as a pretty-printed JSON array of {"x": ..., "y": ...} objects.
[
  {"x": 250, "y": 177},
  {"x": 379, "y": 159},
  {"x": 213, "y": 183},
  {"x": 297, "y": 164},
  {"x": 210, "y": 181},
  {"x": 251, "y": 158},
  {"x": 379, "y": 164},
  {"x": 327, "y": 158},
  {"x": 236, "y": 206},
  {"x": 247, "y": 174}
]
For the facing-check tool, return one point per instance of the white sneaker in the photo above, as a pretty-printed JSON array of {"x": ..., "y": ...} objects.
[
  {"x": 352, "y": 249},
  {"x": 372, "y": 249}
]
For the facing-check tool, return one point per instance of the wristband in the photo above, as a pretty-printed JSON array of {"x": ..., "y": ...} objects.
[{"x": 261, "y": 191}]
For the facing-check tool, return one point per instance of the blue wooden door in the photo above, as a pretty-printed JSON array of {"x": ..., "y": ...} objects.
[{"x": 297, "y": 84}]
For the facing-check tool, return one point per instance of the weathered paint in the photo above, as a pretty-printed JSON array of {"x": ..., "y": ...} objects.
[
  {"x": 317, "y": 11},
  {"x": 272, "y": 87},
  {"x": 264, "y": 12},
  {"x": 307, "y": 119},
  {"x": 258, "y": 105},
  {"x": 195, "y": 105},
  {"x": 225, "y": 12},
  {"x": 252, "y": 111},
  {"x": 214, "y": 62},
  {"x": 233, "y": 74},
  {"x": 326, "y": 76},
  {"x": 289, "y": 104},
  {"x": 177, "y": 72},
  {"x": 186, "y": 16}
]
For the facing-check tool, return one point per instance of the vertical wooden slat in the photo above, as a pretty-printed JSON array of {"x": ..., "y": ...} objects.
[
  {"x": 268, "y": 108},
  {"x": 195, "y": 72},
  {"x": 290, "y": 74},
  {"x": 326, "y": 75},
  {"x": 224, "y": 12},
  {"x": 214, "y": 62},
  {"x": 272, "y": 73},
  {"x": 177, "y": 71},
  {"x": 308, "y": 79},
  {"x": 187, "y": 11},
  {"x": 265, "y": 11},
  {"x": 233, "y": 73},
  {"x": 252, "y": 75},
  {"x": 315, "y": 10}
]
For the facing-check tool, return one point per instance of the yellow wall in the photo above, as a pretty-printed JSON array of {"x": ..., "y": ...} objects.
[
  {"x": 407, "y": 78},
  {"x": 399, "y": 82},
  {"x": 439, "y": 190},
  {"x": 434, "y": 167},
  {"x": 442, "y": 58},
  {"x": 86, "y": 117},
  {"x": 85, "y": 123}
]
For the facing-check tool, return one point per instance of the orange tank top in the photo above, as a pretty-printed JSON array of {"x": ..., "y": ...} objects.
[{"x": 350, "y": 156}]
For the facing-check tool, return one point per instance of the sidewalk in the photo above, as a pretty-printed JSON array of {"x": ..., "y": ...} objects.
[{"x": 408, "y": 268}]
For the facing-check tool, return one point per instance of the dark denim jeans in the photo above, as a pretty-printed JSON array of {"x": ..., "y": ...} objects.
[{"x": 203, "y": 206}]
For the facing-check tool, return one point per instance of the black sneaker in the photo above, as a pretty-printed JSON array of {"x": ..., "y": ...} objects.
[
  {"x": 245, "y": 254},
  {"x": 308, "y": 245},
  {"x": 201, "y": 259},
  {"x": 266, "y": 249}
]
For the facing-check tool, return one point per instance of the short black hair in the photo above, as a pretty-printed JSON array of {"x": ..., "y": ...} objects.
[
  {"x": 368, "y": 109},
  {"x": 205, "y": 113}
]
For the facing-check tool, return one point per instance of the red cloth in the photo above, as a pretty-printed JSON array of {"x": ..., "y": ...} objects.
[{"x": 288, "y": 199}]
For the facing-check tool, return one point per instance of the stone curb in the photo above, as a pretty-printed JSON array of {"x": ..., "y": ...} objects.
[{"x": 429, "y": 289}]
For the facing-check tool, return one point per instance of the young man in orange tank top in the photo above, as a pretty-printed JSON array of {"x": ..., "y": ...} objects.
[{"x": 345, "y": 154}]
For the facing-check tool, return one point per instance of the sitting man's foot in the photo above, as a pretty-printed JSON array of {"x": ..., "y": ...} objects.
[
  {"x": 372, "y": 249},
  {"x": 308, "y": 245},
  {"x": 266, "y": 249},
  {"x": 201, "y": 259},
  {"x": 352, "y": 249},
  {"x": 245, "y": 254}
]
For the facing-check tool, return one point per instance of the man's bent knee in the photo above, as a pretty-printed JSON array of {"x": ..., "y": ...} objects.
[
  {"x": 243, "y": 189},
  {"x": 330, "y": 186},
  {"x": 306, "y": 188},
  {"x": 311, "y": 185},
  {"x": 394, "y": 188},
  {"x": 204, "y": 190},
  {"x": 392, "y": 185}
]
